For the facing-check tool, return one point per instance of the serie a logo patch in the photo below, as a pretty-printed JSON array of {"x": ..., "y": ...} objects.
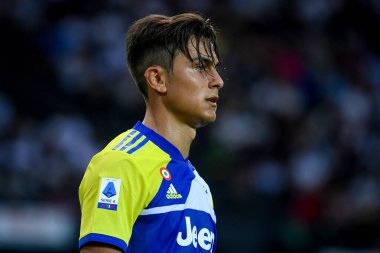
[{"x": 109, "y": 193}]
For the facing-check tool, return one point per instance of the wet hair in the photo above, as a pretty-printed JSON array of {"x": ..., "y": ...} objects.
[{"x": 157, "y": 39}]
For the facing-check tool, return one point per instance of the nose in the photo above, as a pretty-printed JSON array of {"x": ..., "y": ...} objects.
[{"x": 215, "y": 80}]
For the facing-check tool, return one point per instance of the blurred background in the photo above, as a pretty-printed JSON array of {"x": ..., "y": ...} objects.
[{"x": 293, "y": 159}]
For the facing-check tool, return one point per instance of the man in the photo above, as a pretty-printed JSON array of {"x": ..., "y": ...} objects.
[{"x": 141, "y": 193}]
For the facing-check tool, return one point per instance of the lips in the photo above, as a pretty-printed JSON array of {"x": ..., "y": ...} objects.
[{"x": 213, "y": 100}]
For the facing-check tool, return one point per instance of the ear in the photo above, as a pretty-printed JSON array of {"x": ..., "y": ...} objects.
[{"x": 156, "y": 78}]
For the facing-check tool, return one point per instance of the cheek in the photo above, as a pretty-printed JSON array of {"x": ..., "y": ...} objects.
[
  {"x": 187, "y": 85},
  {"x": 185, "y": 98}
]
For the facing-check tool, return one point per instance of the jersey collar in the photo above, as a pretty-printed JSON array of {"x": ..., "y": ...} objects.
[{"x": 160, "y": 141}]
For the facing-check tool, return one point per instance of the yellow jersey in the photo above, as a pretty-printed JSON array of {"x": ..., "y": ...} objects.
[{"x": 139, "y": 194}]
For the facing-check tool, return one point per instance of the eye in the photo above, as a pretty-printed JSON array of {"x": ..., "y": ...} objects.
[
  {"x": 204, "y": 65},
  {"x": 219, "y": 67},
  {"x": 200, "y": 67}
]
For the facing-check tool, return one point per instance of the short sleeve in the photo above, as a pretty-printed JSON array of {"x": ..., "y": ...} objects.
[{"x": 111, "y": 196}]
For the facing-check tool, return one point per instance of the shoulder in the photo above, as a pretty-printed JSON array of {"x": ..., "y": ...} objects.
[{"x": 129, "y": 153}]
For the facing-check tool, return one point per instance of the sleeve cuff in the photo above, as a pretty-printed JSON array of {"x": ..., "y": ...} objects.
[{"x": 103, "y": 239}]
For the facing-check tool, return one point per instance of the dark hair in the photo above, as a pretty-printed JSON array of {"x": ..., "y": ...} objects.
[{"x": 157, "y": 39}]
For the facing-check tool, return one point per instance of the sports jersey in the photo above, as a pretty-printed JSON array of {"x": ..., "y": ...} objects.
[{"x": 140, "y": 195}]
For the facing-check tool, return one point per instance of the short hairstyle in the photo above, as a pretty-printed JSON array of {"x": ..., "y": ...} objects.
[{"x": 157, "y": 39}]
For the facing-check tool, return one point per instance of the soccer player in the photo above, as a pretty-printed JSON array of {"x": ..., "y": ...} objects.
[{"x": 141, "y": 193}]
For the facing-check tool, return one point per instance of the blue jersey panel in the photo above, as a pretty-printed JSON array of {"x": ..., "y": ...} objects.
[
  {"x": 185, "y": 231},
  {"x": 175, "y": 190}
]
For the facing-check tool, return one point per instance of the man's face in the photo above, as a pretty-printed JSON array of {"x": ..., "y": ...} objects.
[{"x": 192, "y": 91}]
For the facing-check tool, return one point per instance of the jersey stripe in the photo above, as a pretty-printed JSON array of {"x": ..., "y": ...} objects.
[
  {"x": 163, "y": 209},
  {"x": 104, "y": 239},
  {"x": 125, "y": 139},
  {"x": 138, "y": 146},
  {"x": 171, "y": 208},
  {"x": 133, "y": 141}
]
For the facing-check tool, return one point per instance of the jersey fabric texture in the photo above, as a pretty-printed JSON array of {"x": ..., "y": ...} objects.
[{"x": 140, "y": 195}]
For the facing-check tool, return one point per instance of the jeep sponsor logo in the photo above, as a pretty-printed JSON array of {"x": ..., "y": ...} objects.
[{"x": 204, "y": 238}]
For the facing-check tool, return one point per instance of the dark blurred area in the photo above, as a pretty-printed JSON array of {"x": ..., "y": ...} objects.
[{"x": 293, "y": 159}]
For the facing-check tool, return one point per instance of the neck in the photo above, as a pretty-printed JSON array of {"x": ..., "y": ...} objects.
[{"x": 176, "y": 132}]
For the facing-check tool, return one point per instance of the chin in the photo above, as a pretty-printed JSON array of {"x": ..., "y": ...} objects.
[{"x": 205, "y": 121}]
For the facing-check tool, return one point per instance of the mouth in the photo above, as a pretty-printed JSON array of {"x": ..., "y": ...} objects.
[{"x": 212, "y": 100}]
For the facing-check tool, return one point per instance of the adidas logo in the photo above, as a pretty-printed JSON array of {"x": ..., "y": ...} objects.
[{"x": 172, "y": 193}]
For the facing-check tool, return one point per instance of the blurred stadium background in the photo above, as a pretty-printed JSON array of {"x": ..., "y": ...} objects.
[{"x": 293, "y": 159}]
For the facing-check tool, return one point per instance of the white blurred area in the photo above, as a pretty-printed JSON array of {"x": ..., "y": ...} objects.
[{"x": 47, "y": 227}]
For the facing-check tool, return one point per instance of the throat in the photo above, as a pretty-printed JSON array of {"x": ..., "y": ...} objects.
[
  {"x": 180, "y": 135},
  {"x": 182, "y": 139}
]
